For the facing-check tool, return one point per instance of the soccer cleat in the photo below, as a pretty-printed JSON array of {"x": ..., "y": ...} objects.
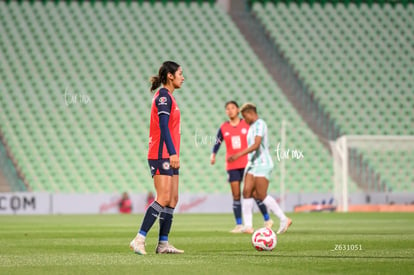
[
  {"x": 268, "y": 224},
  {"x": 284, "y": 225},
  {"x": 166, "y": 248},
  {"x": 237, "y": 229},
  {"x": 138, "y": 246},
  {"x": 248, "y": 230}
]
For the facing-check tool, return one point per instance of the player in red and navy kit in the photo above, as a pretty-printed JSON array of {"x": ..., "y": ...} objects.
[
  {"x": 234, "y": 132},
  {"x": 163, "y": 158}
]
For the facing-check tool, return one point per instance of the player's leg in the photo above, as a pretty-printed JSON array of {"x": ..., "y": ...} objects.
[
  {"x": 263, "y": 209},
  {"x": 262, "y": 185},
  {"x": 161, "y": 174},
  {"x": 166, "y": 216},
  {"x": 274, "y": 207},
  {"x": 162, "y": 185},
  {"x": 235, "y": 176},
  {"x": 268, "y": 222},
  {"x": 247, "y": 207},
  {"x": 166, "y": 219},
  {"x": 237, "y": 207}
]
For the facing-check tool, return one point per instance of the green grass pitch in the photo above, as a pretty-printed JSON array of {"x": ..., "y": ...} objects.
[{"x": 317, "y": 243}]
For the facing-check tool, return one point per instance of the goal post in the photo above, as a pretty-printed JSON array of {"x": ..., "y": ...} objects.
[{"x": 374, "y": 162}]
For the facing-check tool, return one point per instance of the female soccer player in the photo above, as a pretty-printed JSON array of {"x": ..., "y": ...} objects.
[
  {"x": 234, "y": 132},
  {"x": 258, "y": 169},
  {"x": 163, "y": 158}
]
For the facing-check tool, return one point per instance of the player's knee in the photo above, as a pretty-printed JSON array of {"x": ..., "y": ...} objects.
[
  {"x": 259, "y": 194},
  {"x": 236, "y": 197},
  {"x": 247, "y": 194},
  {"x": 163, "y": 200},
  {"x": 173, "y": 201}
]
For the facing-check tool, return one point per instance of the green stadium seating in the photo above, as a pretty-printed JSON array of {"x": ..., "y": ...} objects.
[
  {"x": 105, "y": 53},
  {"x": 357, "y": 61}
]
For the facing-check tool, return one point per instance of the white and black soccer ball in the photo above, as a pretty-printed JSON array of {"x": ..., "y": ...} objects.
[{"x": 264, "y": 239}]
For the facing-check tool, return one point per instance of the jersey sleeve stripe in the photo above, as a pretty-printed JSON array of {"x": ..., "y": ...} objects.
[{"x": 163, "y": 112}]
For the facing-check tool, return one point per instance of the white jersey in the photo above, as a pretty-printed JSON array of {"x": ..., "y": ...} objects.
[{"x": 261, "y": 156}]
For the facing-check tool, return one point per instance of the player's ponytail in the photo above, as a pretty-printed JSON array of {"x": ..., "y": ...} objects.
[
  {"x": 155, "y": 82},
  {"x": 166, "y": 68}
]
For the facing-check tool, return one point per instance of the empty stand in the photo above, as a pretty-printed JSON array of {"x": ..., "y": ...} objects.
[
  {"x": 76, "y": 100},
  {"x": 357, "y": 61}
]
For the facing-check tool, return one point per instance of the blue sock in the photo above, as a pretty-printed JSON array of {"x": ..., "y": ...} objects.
[
  {"x": 150, "y": 217},
  {"x": 263, "y": 209},
  {"x": 166, "y": 218},
  {"x": 237, "y": 211}
]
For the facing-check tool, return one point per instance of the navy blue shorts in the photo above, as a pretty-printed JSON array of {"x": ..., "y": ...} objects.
[
  {"x": 161, "y": 167},
  {"x": 235, "y": 175}
]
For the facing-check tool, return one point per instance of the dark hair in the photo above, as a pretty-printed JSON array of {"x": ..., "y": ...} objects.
[
  {"x": 166, "y": 68},
  {"x": 231, "y": 102}
]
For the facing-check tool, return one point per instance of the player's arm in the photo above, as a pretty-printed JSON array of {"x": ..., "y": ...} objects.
[
  {"x": 252, "y": 148},
  {"x": 164, "y": 109},
  {"x": 165, "y": 133},
  {"x": 216, "y": 147}
]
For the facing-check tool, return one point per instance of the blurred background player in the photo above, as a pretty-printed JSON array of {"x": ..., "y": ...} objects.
[
  {"x": 163, "y": 158},
  {"x": 257, "y": 170},
  {"x": 125, "y": 204},
  {"x": 234, "y": 133},
  {"x": 150, "y": 199}
]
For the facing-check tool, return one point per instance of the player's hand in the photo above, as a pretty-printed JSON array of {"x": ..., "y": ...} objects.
[
  {"x": 233, "y": 158},
  {"x": 174, "y": 161},
  {"x": 213, "y": 159}
]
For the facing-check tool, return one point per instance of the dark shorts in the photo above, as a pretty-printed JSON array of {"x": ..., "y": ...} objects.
[
  {"x": 161, "y": 167},
  {"x": 235, "y": 175}
]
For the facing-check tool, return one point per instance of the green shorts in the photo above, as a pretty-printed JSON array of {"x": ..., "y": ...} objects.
[{"x": 259, "y": 170}]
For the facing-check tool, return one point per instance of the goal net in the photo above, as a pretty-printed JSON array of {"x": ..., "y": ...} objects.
[{"x": 374, "y": 163}]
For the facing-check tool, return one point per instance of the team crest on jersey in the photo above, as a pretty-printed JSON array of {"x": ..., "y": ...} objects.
[
  {"x": 166, "y": 165},
  {"x": 226, "y": 134},
  {"x": 244, "y": 131},
  {"x": 162, "y": 100}
]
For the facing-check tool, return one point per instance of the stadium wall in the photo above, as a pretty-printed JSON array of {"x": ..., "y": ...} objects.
[{"x": 46, "y": 203}]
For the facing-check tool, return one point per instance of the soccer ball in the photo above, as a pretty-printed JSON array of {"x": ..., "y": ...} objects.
[{"x": 264, "y": 239}]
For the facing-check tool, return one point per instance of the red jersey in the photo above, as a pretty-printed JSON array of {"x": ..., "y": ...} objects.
[
  {"x": 163, "y": 103},
  {"x": 235, "y": 138}
]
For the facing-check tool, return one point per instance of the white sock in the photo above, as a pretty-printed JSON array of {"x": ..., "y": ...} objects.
[
  {"x": 247, "y": 210},
  {"x": 272, "y": 205}
]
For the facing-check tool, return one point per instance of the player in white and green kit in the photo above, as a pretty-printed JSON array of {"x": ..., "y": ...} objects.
[
  {"x": 258, "y": 170},
  {"x": 260, "y": 161}
]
